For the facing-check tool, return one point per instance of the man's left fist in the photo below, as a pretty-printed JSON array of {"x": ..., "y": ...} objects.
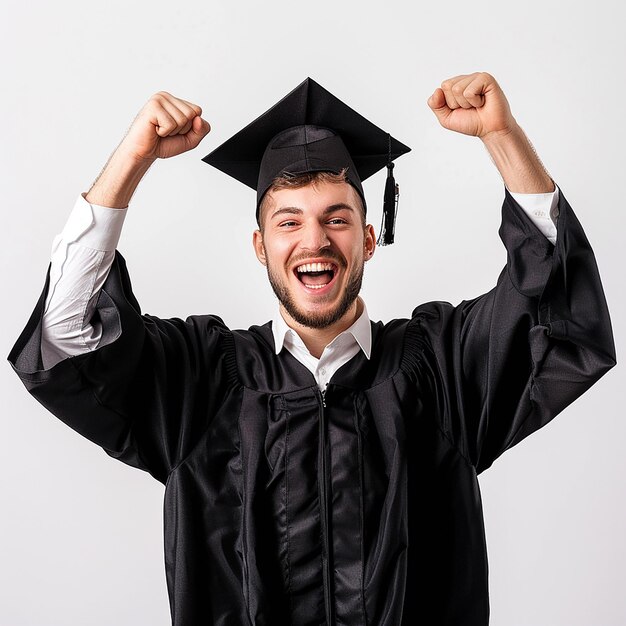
[{"x": 472, "y": 104}]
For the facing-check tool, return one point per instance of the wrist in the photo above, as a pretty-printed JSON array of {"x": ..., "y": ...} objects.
[
  {"x": 118, "y": 180},
  {"x": 504, "y": 136},
  {"x": 517, "y": 161},
  {"x": 129, "y": 161}
]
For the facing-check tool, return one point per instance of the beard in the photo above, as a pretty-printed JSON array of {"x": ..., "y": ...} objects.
[{"x": 311, "y": 319}]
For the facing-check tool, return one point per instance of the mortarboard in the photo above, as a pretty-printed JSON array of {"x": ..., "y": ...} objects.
[{"x": 311, "y": 130}]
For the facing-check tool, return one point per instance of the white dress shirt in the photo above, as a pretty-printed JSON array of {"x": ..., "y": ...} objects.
[
  {"x": 338, "y": 352},
  {"x": 82, "y": 255}
]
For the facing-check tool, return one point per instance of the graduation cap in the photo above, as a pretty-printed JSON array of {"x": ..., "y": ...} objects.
[{"x": 310, "y": 130}]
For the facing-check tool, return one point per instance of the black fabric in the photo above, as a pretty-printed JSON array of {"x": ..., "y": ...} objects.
[
  {"x": 309, "y": 130},
  {"x": 360, "y": 507},
  {"x": 303, "y": 150}
]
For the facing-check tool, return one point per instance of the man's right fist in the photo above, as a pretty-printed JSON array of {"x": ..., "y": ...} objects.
[{"x": 165, "y": 127}]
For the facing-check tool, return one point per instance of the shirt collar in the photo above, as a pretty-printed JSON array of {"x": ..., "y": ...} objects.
[{"x": 361, "y": 331}]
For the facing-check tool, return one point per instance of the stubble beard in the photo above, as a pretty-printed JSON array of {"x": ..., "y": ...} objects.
[{"x": 311, "y": 319}]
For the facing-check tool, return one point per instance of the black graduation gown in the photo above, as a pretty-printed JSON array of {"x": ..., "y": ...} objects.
[{"x": 361, "y": 507}]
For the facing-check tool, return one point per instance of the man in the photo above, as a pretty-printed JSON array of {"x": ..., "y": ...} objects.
[{"x": 321, "y": 469}]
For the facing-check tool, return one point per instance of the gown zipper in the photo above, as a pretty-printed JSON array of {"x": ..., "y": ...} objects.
[{"x": 326, "y": 552}]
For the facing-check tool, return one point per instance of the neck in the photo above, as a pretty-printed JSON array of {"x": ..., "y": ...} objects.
[{"x": 316, "y": 339}]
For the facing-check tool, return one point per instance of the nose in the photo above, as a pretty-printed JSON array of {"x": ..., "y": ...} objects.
[{"x": 314, "y": 236}]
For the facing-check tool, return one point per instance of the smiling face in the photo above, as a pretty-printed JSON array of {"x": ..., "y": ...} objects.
[{"x": 314, "y": 244}]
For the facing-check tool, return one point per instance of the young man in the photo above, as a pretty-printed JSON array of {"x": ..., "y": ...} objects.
[{"x": 321, "y": 469}]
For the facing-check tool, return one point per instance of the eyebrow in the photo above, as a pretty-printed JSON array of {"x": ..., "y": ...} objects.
[{"x": 293, "y": 210}]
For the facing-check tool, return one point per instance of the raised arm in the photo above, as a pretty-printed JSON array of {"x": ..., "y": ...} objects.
[
  {"x": 504, "y": 364},
  {"x": 127, "y": 385}
]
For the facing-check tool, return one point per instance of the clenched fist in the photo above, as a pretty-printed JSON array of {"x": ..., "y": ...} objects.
[
  {"x": 472, "y": 104},
  {"x": 165, "y": 127}
]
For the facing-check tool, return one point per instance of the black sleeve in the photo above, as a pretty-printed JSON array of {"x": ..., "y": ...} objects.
[
  {"x": 503, "y": 365},
  {"x": 148, "y": 393}
]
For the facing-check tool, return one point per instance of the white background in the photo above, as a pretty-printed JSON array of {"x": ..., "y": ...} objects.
[{"x": 80, "y": 534}]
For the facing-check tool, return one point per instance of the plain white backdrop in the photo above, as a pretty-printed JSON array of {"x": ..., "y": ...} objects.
[{"x": 80, "y": 534}]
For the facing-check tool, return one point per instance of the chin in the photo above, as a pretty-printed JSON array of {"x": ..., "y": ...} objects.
[
  {"x": 317, "y": 320},
  {"x": 317, "y": 316}
]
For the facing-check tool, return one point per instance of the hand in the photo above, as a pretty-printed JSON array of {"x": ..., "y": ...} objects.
[
  {"x": 165, "y": 127},
  {"x": 472, "y": 104}
]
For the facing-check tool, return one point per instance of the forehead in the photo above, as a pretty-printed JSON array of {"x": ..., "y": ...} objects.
[{"x": 312, "y": 198}]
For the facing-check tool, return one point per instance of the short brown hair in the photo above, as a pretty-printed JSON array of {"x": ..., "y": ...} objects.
[{"x": 302, "y": 180}]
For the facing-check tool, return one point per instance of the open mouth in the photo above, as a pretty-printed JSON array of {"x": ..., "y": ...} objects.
[{"x": 316, "y": 275}]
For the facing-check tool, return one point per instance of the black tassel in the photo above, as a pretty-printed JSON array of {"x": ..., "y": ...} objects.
[{"x": 390, "y": 205}]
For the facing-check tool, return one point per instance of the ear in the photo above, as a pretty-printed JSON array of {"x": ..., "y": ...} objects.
[
  {"x": 259, "y": 248},
  {"x": 369, "y": 242}
]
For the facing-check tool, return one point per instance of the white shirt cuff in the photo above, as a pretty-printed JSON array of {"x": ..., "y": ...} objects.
[
  {"x": 94, "y": 226},
  {"x": 542, "y": 209}
]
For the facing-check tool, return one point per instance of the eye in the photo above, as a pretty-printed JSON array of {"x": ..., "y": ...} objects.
[
  {"x": 337, "y": 220},
  {"x": 287, "y": 224}
]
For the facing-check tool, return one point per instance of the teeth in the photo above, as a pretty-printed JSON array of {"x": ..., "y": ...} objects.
[{"x": 314, "y": 267}]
